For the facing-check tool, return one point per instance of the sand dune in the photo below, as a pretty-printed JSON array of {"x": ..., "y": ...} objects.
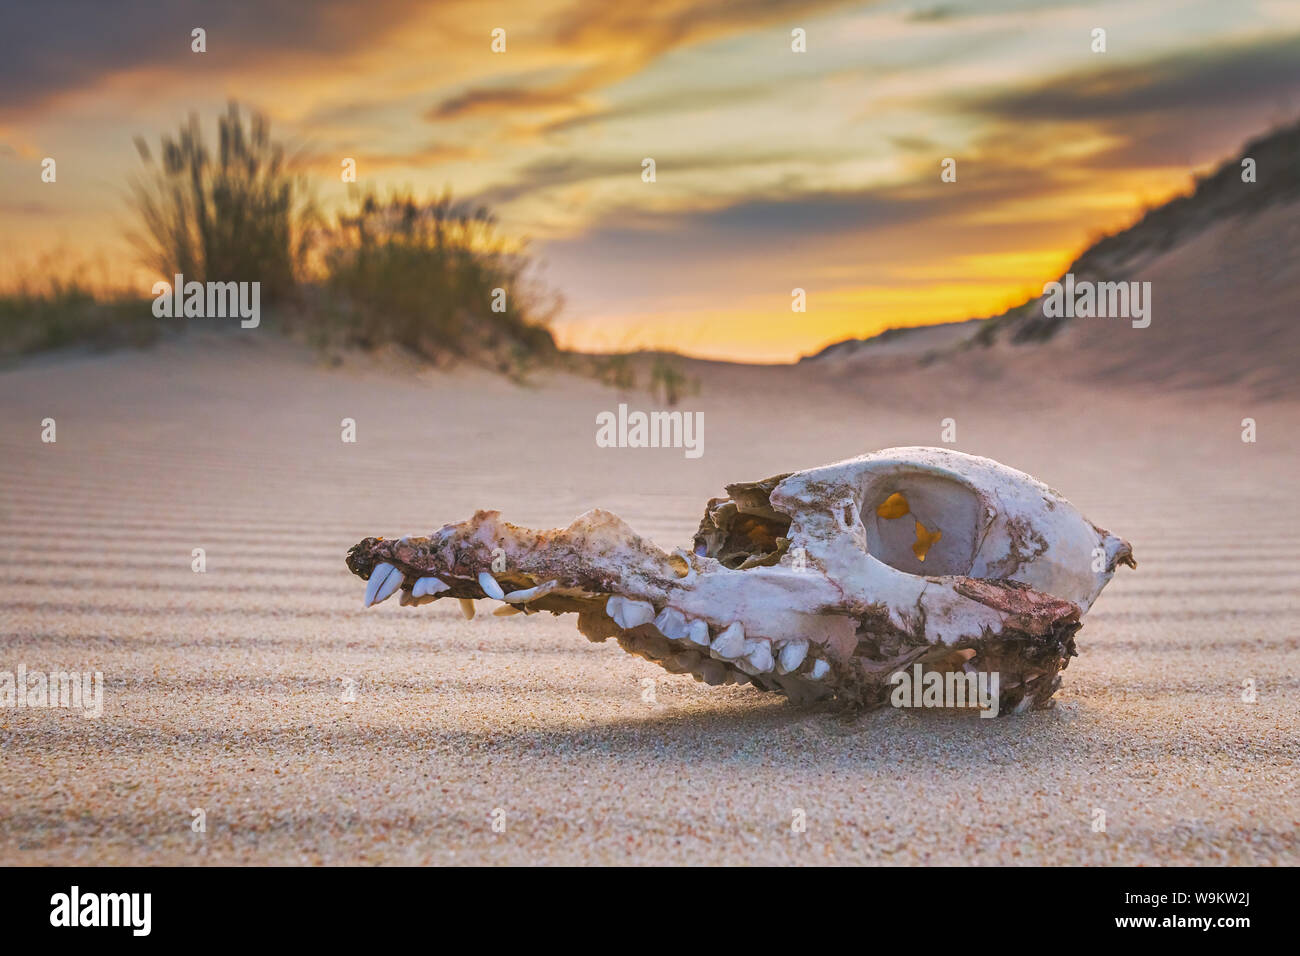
[{"x": 223, "y": 689}]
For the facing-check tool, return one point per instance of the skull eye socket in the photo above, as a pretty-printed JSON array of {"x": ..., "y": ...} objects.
[{"x": 922, "y": 524}]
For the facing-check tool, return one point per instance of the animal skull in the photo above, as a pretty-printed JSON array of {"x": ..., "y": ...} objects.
[{"x": 817, "y": 583}]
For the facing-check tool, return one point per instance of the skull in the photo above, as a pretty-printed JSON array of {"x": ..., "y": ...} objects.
[{"x": 813, "y": 584}]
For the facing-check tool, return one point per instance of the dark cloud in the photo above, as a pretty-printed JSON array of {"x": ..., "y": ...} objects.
[
  {"x": 48, "y": 49},
  {"x": 500, "y": 100},
  {"x": 1233, "y": 76}
]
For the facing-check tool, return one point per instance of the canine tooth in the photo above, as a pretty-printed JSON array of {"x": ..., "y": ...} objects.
[
  {"x": 672, "y": 624},
  {"x": 819, "y": 670},
  {"x": 387, "y": 587},
  {"x": 730, "y": 644},
  {"x": 467, "y": 608},
  {"x": 377, "y": 577},
  {"x": 699, "y": 632},
  {"x": 759, "y": 655},
  {"x": 505, "y": 610},
  {"x": 490, "y": 586},
  {"x": 429, "y": 585},
  {"x": 791, "y": 656}
]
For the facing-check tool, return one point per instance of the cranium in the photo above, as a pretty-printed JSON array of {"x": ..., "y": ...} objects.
[{"x": 812, "y": 584}]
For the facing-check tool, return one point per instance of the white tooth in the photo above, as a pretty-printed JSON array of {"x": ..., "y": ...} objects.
[
  {"x": 730, "y": 644},
  {"x": 426, "y": 586},
  {"x": 759, "y": 655},
  {"x": 467, "y": 608},
  {"x": 672, "y": 624},
  {"x": 377, "y": 577},
  {"x": 530, "y": 594},
  {"x": 1025, "y": 703},
  {"x": 490, "y": 586},
  {"x": 505, "y": 610},
  {"x": 628, "y": 613},
  {"x": 636, "y": 613},
  {"x": 819, "y": 670},
  {"x": 388, "y": 587},
  {"x": 699, "y": 632},
  {"x": 792, "y": 655}
]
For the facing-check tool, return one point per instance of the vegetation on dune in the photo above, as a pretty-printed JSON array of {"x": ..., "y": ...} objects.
[
  {"x": 434, "y": 277},
  {"x": 241, "y": 214},
  {"x": 59, "y": 313}
]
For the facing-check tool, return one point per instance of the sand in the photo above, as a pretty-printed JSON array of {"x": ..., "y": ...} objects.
[{"x": 225, "y": 690}]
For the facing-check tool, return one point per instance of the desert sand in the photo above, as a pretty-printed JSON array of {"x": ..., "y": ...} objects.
[{"x": 226, "y": 690}]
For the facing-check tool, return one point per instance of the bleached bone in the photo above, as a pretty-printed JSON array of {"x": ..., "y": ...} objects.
[{"x": 838, "y": 577}]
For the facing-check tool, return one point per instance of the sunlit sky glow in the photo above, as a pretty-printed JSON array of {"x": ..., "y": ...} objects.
[{"x": 775, "y": 169}]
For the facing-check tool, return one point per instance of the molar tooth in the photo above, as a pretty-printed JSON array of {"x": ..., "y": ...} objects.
[
  {"x": 467, "y": 608},
  {"x": 628, "y": 613},
  {"x": 490, "y": 586},
  {"x": 819, "y": 670},
  {"x": 698, "y": 632},
  {"x": 791, "y": 656},
  {"x": 758, "y": 653},
  {"x": 672, "y": 624},
  {"x": 378, "y": 575},
  {"x": 730, "y": 644}
]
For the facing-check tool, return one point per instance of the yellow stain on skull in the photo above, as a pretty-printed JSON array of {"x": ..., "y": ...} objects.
[
  {"x": 924, "y": 539},
  {"x": 895, "y": 506}
]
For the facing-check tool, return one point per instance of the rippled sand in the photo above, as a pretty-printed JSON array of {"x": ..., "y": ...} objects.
[{"x": 226, "y": 690}]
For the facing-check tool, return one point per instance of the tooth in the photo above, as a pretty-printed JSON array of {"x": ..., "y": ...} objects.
[
  {"x": 730, "y": 644},
  {"x": 385, "y": 588},
  {"x": 672, "y": 624},
  {"x": 490, "y": 586},
  {"x": 377, "y": 577},
  {"x": 426, "y": 586},
  {"x": 407, "y": 598},
  {"x": 792, "y": 655},
  {"x": 467, "y": 608},
  {"x": 699, "y": 632},
  {"x": 759, "y": 655},
  {"x": 529, "y": 594},
  {"x": 505, "y": 610},
  {"x": 819, "y": 670},
  {"x": 628, "y": 613}
]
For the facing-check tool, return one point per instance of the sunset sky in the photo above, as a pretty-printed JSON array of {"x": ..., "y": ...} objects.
[{"x": 775, "y": 169}]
